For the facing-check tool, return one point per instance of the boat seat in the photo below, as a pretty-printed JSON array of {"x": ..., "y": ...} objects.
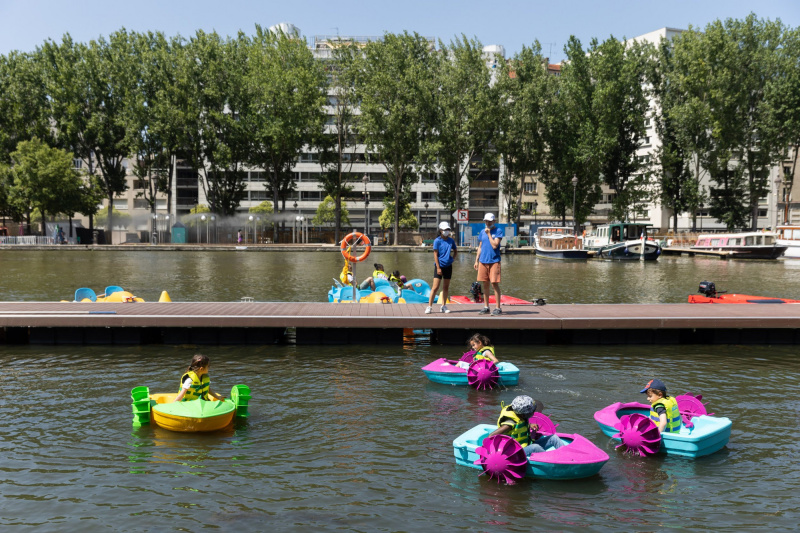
[
  {"x": 85, "y": 292},
  {"x": 111, "y": 289}
]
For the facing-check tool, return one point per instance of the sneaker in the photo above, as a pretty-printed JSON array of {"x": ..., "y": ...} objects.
[
  {"x": 445, "y": 309},
  {"x": 497, "y": 312},
  {"x": 484, "y": 311},
  {"x": 428, "y": 310}
]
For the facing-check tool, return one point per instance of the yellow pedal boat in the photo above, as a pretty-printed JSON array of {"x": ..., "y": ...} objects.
[{"x": 192, "y": 416}]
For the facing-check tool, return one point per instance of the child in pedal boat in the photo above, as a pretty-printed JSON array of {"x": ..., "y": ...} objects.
[{"x": 195, "y": 382}]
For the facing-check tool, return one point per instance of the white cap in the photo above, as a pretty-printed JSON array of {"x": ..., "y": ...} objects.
[
  {"x": 444, "y": 225},
  {"x": 488, "y": 216}
]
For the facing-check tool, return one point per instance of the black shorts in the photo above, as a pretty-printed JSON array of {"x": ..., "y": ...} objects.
[{"x": 447, "y": 272}]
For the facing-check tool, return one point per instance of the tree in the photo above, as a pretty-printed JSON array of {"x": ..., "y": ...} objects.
[
  {"x": 338, "y": 146},
  {"x": 407, "y": 218},
  {"x": 525, "y": 92},
  {"x": 571, "y": 134},
  {"x": 284, "y": 113},
  {"x": 88, "y": 87},
  {"x": 395, "y": 87},
  {"x": 783, "y": 94},
  {"x": 23, "y": 104},
  {"x": 42, "y": 178},
  {"x": 327, "y": 214},
  {"x": 465, "y": 117},
  {"x": 118, "y": 219}
]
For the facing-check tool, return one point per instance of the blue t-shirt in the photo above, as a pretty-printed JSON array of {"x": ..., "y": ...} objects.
[
  {"x": 443, "y": 247},
  {"x": 488, "y": 253}
]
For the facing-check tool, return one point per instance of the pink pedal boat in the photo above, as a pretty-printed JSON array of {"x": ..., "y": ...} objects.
[{"x": 502, "y": 457}]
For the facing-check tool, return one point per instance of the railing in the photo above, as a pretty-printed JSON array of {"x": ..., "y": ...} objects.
[{"x": 27, "y": 239}]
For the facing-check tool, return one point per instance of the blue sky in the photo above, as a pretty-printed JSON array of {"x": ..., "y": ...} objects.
[{"x": 25, "y": 24}]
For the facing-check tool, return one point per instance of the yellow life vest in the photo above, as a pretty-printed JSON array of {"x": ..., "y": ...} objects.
[
  {"x": 479, "y": 355},
  {"x": 521, "y": 432},
  {"x": 379, "y": 274},
  {"x": 199, "y": 387},
  {"x": 673, "y": 414},
  {"x": 395, "y": 279}
]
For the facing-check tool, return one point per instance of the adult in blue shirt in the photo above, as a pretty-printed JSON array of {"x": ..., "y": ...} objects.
[
  {"x": 444, "y": 252},
  {"x": 487, "y": 263}
]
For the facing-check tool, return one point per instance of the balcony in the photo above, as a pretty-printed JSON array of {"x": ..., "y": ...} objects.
[{"x": 484, "y": 204}]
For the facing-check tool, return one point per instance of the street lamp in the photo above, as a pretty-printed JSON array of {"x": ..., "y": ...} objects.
[
  {"x": 426, "y": 215},
  {"x": 535, "y": 206},
  {"x": 154, "y": 233},
  {"x": 213, "y": 219},
  {"x": 365, "y": 180},
  {"x": 250, "y": 219},
  {"x": 701, "y": 217},
  {"x": 574, "y": 189},
  {"x": 778, "y": 198},
  {"x": 168, "y": 235},
  {"x": 205, "y": 219}
]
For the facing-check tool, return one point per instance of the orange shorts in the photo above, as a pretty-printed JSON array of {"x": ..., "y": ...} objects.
[{"x": 489, "y": 272}]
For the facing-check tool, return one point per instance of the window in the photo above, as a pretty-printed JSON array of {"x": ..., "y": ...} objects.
[
  {"x": 140, "y": 203},
  {"x": 530, "y": 187},
  {"x": 161, "y": 204},
  {"x": 429, "y": 197},
  {"x": 257, "y": 176},
  {"x": 762, "y": 212},
  {"x": 258, "y": 196},
  {"x": 309, "y": 157},
  {"x": 121, "y": 205},
  {"x": 645, "y": 141},
  {"x": 77, "y": 164},
  {"x": 310, "y": 195},
  {"x": 647, "y": 122}
]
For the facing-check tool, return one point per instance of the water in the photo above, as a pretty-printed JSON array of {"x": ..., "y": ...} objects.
[
  {"x": 303, "y": 276},
  {"x": 355, "y": 438}
]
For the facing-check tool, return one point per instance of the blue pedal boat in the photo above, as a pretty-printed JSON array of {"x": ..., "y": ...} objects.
[
  {"x": 446, "y": 372},
  {"x": 709, "y": 434}
]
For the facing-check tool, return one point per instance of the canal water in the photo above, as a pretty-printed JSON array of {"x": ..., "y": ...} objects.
[{"x": 355, "y": 438}]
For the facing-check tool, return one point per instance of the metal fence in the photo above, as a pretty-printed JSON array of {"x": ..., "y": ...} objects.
[{"x": 29, "y": 240}]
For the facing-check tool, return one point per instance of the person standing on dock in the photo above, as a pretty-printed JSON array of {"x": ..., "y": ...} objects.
[
  {"x": 487, "y": 263},
  {"x": 444, "y": 253}
]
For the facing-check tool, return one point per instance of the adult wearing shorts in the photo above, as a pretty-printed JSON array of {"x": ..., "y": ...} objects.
[
  {"x": 444, "y": 252},
  {"x": 487, "y": 263}
]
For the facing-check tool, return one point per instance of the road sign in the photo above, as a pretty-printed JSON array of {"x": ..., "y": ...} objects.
[{"x": 462, "y": 215}]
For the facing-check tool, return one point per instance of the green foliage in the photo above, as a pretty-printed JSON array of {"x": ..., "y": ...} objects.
[
  {"x": 264, "y": 208},
  {"x": 119, "y": 219},
  {"x": 326, "y": 214},
  {"x": 408, "y": 220},
  {"x": 42, "y": 177},
  {"x": 23, "y": 102},
  {"x": 396, "y": 89},
  {"x": 465, "y": 115}
]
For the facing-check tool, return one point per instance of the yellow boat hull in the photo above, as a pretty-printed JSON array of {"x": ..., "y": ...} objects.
[{"x": 184, "y": 423}]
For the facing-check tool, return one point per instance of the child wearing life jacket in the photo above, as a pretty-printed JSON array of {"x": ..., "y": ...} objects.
[
  {"x": 195, "y": 382},
  {"x": 664, "y": 410},
  {"x": 513, "y": 421},
  {"x": 483, "y": 349}
]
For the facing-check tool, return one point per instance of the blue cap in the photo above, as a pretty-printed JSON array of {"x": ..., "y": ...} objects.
[{"x": 654, "y": 384}]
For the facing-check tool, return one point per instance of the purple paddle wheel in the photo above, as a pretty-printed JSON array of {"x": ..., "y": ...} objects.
[
  {"x": 467, "y": 356},
  {"x": 546, "y": 426},
  {"x": 483, "y": 375},
  {"x": 690, "y": 406},
  {"x": 638, "y": 434},
  {"x": 502, "y": 457}
]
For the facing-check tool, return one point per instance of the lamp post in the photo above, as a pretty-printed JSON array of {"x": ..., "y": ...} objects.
[
  {"x": 258, "y": 224},
  {"x": 535, "y": 206},
  {"x": 167, "y": 234},
  {"x": 365, "y": 180},
  {"x": 778, "y": 182},
  {"x": 204, "y": 219},
  {"x": 154, "y": 232},
  {"x": 701, "y": 217},
  {"x": 250, "y": 221},
  {"x": 426, "y": 216},
  {"x": 214, "y": 220},
  {"x": 294, "y": 225},
  {"x": 574, "y": 189}
]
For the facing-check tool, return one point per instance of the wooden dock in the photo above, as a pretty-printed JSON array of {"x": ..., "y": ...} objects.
[{"x": 324, "y": 323}]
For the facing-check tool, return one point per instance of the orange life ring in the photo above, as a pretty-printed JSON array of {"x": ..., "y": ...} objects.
[{"x": 353, "y": 239}]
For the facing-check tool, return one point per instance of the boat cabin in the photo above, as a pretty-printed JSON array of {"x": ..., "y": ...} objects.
[
  {"x": 558, "y": 238},
  {"x": 738, "y": 240},
  {"x": 617, "y": 232}
]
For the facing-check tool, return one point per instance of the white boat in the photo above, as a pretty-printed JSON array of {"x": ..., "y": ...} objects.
[
  {"x": 747, "y": 245},
  {"x": 559, "y": 243},
  {"x": 789, "y": 236},
  {"x": 623, "y": 241}
]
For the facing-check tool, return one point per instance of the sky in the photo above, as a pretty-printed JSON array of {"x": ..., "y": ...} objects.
[{"x": 26, "y": 24}]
